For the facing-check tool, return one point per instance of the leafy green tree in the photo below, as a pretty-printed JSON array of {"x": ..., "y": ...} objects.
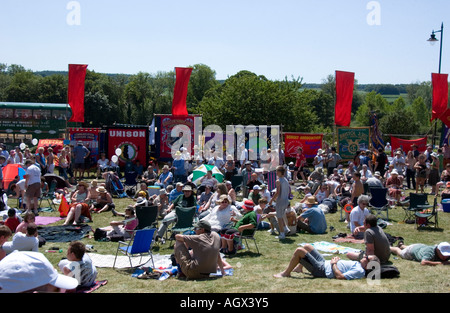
[
  {"x": 23, "y": 87},
  {"x": 401, "y": 122},
  {"x": 202, "y": 79},
  {"x": 249, "y": 99},
  {"x": 373, "y": 102},
  {"x": 53, "y": 89}
]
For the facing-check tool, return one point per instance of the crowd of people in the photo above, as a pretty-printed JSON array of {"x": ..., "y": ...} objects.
[{"x": 224, "y": 212}]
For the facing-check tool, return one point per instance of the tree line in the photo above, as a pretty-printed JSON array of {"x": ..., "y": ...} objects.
[{"x": 244, "y": 98}]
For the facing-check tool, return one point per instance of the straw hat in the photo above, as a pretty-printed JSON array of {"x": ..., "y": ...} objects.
[{"x": 311, "y": 200}]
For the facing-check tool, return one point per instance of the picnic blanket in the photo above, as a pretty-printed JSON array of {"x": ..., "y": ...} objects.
[
  {"x": 107, "y": 260},
  {"x": 97, "y": 284},
  {"x": 46, "y": 220},
  {"x": 64, "y": 233},
  {"x": 329, "y": 247},
  {"x": 349, "y": 239}
]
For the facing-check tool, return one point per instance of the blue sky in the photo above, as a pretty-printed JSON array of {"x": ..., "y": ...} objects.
[{"x": 309, "y": 39}]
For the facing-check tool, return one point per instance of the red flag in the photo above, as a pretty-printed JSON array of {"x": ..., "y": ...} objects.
[
  {"x": 440, "y": 94},
  {"x": 183, "y": 75},
  {"x": 344, "y": 97},
  {"x": 75, "y": 93},
  {"x": 406, "y": 144},
  {"x": 63, "y": 207}
]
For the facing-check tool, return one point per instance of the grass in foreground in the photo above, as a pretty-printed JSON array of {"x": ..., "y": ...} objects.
[{"x": 253, "y": 272}]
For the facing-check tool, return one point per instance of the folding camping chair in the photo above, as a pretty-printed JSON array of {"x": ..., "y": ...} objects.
[
  {"x": 417, "y": 201},
  {"x": 379, "y": 202},
  {"x": 185, "y": 220},
  {"x": 50, "y": 195},
  {"x": 141, "y": 243},
  {"x": 236, "y": 182},
  {"x": 248, "y": 237},
  {"x": 426, "y": 216},
  {"x": 130, "y": 181},
  {"x": 147, "y": 216}
]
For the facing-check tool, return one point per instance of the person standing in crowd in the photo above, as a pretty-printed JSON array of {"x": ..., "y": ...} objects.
[
  {"x": 80, "y": 153},
  {"x": 33, "y": 186}
]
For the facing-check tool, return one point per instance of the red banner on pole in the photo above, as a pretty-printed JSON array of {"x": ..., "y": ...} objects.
[
  {"x": 183, "y": 75},
  {"x": 344, "y": 96},
  {"x": 406, "y": 144},
  {"x": 75, "y": 92},
  {"x": 310, "y": 143},
  {"x": 440, "y": 94}
]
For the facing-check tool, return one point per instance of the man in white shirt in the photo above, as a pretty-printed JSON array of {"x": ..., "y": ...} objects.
[
  {"x": 23, "y": 242},
  {"x": 398, "y": 162},
  {"x": 358, "y": 215},
  {"x": 33, "y": 185}
]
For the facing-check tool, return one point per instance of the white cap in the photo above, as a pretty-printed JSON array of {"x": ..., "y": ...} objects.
[
  {"x": 444, "y": 247},
  {"x": 256, "y": 187},
  {"x": 24, "y": 270}
]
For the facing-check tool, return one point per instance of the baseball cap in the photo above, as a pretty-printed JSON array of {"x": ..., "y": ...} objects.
[
  {"x": 25, "y": 270},
  {"x": 444, "y": 247},
  {"x": 203, "y": 224}
]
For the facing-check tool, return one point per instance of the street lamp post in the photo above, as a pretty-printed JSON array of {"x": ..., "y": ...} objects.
[{"x": 432, "y": 40}]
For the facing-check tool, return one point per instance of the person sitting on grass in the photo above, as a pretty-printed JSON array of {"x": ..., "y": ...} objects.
[
  {"x": 243, "y": 227},
  {"x": 104, "y": 201},
  {"x": 13, "y": 220},
  {"x": 23, "y": 242},
  {"x": 312, "y": 219},
  {"x": 28, "y": 218},
  {"x": 375, "y": 240},
  {"x": 203, "y": 258},
  {"x": 431, "y": 255},
  {"x": 221, "y": 214},
  {"x": 78, "y": 205},
  {"x": 5, "y": 234},
  {"x": 123, "y": 228},
  {"x": 79, "y": 265},
  {"x": 308, "y": 257}
]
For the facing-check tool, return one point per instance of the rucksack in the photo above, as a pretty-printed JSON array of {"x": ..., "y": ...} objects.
[
  {"x": 99, "y": 234},
  {"x": 386, "y": 272}
]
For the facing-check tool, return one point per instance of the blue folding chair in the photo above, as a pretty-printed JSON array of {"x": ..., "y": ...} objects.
[
  {"x": 141, "y": 243},
  {"x": 379, "y": 202}
]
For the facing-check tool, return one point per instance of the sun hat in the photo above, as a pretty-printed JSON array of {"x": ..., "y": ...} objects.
[
  {"x": 311, "y": 200},
  {"x": 187, "y": 188},
  {"x": 394, "y": 172},
  {"x": 162, "y": 191},
  {"x": 82, "y": 183},
  {"x": 203, "y": 224},
  {"x": 25, "y": 270},
  {"x": 101, "y": 189},
  {"x": 140, "y": 201},
  {"x": 222, "y": 198},
  {"x": 248, "y": 205},
  {"x": 444, "y": 247},
  {"x": 377, "y": 174}
]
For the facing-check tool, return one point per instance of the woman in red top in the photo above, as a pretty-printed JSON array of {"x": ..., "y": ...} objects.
[{"x": 300, "y": 161}]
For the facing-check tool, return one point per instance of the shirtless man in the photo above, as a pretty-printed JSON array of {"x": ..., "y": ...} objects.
[{"x": 357, "y": 190}]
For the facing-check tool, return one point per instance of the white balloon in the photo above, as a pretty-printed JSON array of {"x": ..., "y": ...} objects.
[
  {"x": 22, "y": 146},
  {"x": 114, "y": 158},
  {"x": 118, "y": 151},
  {"x": 34, "y": 141}
]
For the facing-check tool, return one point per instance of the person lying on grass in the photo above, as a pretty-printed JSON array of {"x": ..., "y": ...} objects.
[{"x": 314, "y": 262}]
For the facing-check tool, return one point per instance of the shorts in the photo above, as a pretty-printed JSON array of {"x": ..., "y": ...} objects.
[
  {"x": 33, "y": 191},
  {"x": 281, "y": 211},
  {"x": 79, "y": 166},
  {"x": 406, "y": 253},
  {"x": 314, "y": 263}
]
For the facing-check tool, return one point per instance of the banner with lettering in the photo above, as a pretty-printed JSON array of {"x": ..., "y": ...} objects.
[
  {"x": 164, "y": 139},
  {"x": 309, "y": 142},
  {"x": 132, "y": 141},
  {"x": 90, "y": 139},
  {"x": 351, "y": 140}
]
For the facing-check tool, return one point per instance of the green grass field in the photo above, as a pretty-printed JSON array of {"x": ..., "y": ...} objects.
[{"x": 253, "y": 272}]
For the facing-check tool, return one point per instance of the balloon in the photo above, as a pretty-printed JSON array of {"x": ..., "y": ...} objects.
[
  {"x": 34, "y": 141},
  {"x": 114, "y": 158},
  {"x": 22, "y": 146},
  {"x": 118, "y": 151}
]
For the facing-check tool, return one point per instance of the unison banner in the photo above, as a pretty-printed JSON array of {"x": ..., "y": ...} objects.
[
  {"x": 310, "y": 143},
  {"x": 351, "y": 140},
  {"x": 405, "y": 145},
  {"x": 132, "y": 141}
]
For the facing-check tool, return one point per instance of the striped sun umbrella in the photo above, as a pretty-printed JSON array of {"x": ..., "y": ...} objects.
[{"x": 200, "y": 171}]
